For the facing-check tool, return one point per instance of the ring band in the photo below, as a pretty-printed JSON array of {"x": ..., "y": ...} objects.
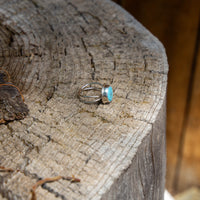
[{"x": 95, "y": 92}]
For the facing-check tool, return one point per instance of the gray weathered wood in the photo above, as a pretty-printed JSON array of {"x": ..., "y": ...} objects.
[{"x": 51, "y": 48}]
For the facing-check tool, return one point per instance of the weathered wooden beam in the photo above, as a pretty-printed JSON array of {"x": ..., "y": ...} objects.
[
  {"x": 167, "y": 19},
  {"x": 51, "y": 49}
]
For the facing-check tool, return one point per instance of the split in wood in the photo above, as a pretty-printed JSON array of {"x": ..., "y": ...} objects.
[{"x": 48, "y": 180}]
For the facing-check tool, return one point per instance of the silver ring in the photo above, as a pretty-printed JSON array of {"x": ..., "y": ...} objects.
[{"x": 95, "y": 92}]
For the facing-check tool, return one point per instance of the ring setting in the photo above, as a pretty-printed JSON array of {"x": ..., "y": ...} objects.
[{"x": 95, "y": 92}]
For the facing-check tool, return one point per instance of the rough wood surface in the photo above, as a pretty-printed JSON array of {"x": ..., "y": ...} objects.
[
  {"x": 51, "y": 48},
  {"x": 175, "y": 23}
]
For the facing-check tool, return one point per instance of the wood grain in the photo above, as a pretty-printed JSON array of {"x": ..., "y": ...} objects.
[
  {"x": 52, "y": 48},
  {"x": 175, "y": 23}
]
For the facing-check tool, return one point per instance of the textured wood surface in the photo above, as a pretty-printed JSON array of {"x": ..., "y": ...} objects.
[
  {"x": 51, "y": 48},
  {"x": 176, "y": 23}
]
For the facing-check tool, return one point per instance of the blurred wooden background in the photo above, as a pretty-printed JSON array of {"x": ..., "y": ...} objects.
[{"x": 176, "y": 24}]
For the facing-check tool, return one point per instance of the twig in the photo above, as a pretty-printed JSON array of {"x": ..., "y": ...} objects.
[
  {"x": 4, "y": 169},
  {"x": 48, "y": 180}
]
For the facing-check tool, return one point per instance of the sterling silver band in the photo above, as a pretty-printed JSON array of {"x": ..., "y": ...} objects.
[{"x": 94, "y": 92}]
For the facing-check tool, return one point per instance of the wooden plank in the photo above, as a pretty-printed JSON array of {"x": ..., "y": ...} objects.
[{"x": 117, "y": 150}]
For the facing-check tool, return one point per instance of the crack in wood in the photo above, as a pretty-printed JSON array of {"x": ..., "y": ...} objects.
[
  {"x": 35, "y": 3},
  {"x": 145, "y": 62},
  {"x": 91, "y": 59},
  {"x": 92, "y": 65},
  {"x": 84, "y": 31},
  {"x": 52, "y": 191},
  {"x": 51, "y": 92}
]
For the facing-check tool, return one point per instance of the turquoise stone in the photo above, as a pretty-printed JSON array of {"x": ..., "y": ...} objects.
[
  {"x": 110, "y": 93},
  {"x": 107, "y": 94}
]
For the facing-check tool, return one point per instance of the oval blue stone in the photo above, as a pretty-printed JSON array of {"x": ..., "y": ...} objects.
[{"x": 110, "y": 93}]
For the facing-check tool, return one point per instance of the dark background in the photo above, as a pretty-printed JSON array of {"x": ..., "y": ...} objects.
[{"x": 176, "y": 24}]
